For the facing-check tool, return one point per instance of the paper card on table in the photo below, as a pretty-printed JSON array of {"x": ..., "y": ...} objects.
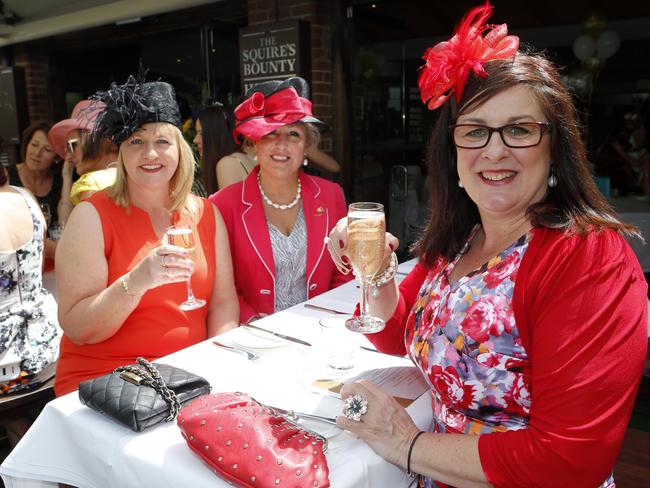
[{"x": 404, "y": 383}]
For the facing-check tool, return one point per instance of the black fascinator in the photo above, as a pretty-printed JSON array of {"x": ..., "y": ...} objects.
[{"x": 133, "y": 104}]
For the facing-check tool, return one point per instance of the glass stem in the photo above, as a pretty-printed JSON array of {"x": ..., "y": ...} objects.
[
  {"x": 365, "y": 295},
  {"x": 190, "y": 293}
]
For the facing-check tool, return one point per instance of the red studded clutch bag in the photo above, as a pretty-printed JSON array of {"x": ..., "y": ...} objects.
[{"x": 252, "y": 446}]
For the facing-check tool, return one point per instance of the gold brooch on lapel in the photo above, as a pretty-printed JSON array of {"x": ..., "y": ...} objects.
[{"x": 319, "y": 211}]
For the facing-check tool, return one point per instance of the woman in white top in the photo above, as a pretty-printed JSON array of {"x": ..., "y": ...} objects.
[{"x": 29, "y": 330}]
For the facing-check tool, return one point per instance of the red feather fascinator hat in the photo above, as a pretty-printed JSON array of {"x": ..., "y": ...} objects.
[{"x": 449, "y": 63}]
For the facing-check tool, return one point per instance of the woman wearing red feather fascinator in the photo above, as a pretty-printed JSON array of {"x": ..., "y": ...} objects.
[{"x": 527, "y": 312}]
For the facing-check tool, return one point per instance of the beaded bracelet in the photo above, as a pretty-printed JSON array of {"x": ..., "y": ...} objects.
[
  {"x": 408, "y": 458},
  {"x": 387, "y": 275}
]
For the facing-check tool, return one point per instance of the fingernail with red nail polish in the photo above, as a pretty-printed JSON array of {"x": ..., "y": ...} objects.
[
  {"x": 345, "y": 259},
  {"x": 341, "y": 244}
]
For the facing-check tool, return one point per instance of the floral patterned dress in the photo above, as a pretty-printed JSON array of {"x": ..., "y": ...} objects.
[
  {"x": 464, "y": 338},
  {"x": 29, "y": 330}
]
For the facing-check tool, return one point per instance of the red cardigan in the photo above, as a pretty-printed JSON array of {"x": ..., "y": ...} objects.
[
  {"x": 241, "y": 206},
  {"x": 581, "y": 308}
]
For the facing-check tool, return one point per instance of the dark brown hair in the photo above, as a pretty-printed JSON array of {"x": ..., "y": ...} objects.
[
  {"x": 29, "y": 132},
  {"x": 574, "y": 205},
  {"x": 217, "y": 143}
]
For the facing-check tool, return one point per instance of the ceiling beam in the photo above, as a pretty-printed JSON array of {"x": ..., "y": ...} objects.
[{"x": 116, "y": 11}]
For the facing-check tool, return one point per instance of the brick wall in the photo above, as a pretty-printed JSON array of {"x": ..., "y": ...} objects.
[
  {"x": 317, "y": 13},
  {"x": 36, "y": 64}
]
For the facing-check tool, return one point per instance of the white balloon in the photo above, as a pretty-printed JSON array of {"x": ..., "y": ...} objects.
[
  {"x": 607, "y": 44},
  {"x": 584, "y": 47}
]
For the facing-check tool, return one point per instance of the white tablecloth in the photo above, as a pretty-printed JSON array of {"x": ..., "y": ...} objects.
[
  {"x": 344, "y": 299},
  {"x": 72, "y": 444}
]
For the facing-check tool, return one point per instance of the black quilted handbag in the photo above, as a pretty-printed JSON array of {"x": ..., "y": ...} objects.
[{"x": 142, "y": 397}]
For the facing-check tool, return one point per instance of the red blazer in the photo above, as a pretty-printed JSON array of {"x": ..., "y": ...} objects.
[{"x": 241, "y": 206}]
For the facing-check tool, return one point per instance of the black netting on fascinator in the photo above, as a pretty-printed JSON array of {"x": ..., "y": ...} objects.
[{"x": 133, "y": 104}]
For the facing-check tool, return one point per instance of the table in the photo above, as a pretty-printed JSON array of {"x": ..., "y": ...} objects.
[
  {"x": 344, "y": 299},
  {"x": 72, "y": 444},
  {"x": 636, "y": 210}
]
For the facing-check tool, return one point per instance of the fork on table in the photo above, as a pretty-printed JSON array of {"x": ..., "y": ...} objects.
[{"x": 249, "y": 355}]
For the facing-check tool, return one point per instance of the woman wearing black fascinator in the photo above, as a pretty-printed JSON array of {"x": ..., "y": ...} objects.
[{"x": 137, "y": 266}]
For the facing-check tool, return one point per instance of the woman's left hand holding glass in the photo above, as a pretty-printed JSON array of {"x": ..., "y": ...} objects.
[{"x": 385, "y": 426}]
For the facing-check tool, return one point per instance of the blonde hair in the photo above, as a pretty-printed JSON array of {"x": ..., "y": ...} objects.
[
  {"x": 313, "y": 134},
  {"x": 181, "y": 182}
]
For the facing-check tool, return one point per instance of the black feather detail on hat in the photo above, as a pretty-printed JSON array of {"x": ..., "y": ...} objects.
[{"x": 133, "y": 104}]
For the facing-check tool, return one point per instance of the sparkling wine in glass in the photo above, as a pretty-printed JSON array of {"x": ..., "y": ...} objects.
[
  {"x": 366, "y": 242},
  {"x": 182, "y": 236}
]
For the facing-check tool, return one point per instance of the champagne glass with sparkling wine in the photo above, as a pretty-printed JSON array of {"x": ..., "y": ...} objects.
[
  {"x": 182, "y": 236},
  {"x": 366, "y": 242}
]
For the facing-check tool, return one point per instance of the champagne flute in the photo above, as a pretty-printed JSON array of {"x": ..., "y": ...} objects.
[
  {"x": 366, "y": 242},
  {"x": 182, "y": 236}
]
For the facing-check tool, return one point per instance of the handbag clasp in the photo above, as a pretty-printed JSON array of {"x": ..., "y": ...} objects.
[{"x": 132, "y": 377}]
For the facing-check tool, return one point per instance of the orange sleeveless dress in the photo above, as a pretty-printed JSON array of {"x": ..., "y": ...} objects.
[{"x": 157, "y": 326}]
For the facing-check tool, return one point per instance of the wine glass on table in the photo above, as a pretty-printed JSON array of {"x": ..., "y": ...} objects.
[
  {"x": 366, "y": 242},
  {"x": 182, "y": 236}
]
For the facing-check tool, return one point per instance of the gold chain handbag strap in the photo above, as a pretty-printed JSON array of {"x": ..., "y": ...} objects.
[{"x": 151, "y": 377}]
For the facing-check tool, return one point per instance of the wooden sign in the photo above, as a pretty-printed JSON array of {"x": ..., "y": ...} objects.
[{"x": 274, "y": 52}]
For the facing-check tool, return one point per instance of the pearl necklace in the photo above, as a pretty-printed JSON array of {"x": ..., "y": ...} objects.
[{"x": 277, "y": 205}]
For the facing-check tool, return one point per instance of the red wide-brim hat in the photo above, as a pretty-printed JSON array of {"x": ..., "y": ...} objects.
[
  {"x": 271, "y": 105},
  {"x": 83, "y": 117}
]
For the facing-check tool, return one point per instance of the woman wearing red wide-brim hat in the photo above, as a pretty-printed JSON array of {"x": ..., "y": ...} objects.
[{"x": 278, "y": 217}]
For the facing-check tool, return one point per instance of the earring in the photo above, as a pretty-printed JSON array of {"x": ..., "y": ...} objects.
[
  {"x": 305, "y": 162},
  {"x": 255, "y": 158},
  {"x": 460, "y": 184},
  {"x": 552, "y": 179}
]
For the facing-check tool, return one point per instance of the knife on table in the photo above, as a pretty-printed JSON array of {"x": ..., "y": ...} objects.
[
  {"x": 277, "y": 334},
  {"x": 325, "y": 309}
]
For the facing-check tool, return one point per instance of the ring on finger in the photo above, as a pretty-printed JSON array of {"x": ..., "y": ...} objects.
[
  {"x": 355, "y": 406},
  {"x": 163, "y": 261}
]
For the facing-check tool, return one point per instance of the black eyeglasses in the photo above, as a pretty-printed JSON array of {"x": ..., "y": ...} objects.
[
  {"x": 72, "y": 144},
  {"x": 522, "y": 134}
]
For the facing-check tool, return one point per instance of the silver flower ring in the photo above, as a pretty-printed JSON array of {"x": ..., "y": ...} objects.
[{"x": 355, "y": 406}]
